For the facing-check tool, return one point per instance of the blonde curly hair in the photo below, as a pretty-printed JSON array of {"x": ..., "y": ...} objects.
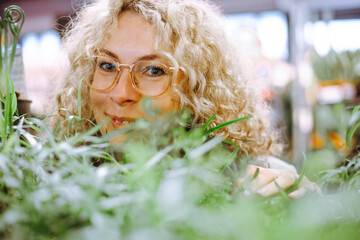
[{"x": 190, "y": 34}]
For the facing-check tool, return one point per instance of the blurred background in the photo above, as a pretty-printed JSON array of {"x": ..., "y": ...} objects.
[{"x": 306, "y": 52}]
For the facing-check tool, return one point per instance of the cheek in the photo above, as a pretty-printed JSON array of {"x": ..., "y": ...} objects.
[
  {"x": 98, "y": 103},
  {"x": 169, "y": 102},
  {"x": 97, "y": 100}
]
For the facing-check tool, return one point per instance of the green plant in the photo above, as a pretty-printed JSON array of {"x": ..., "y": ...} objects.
[
  {"x": 337, "y": 66},
  {"x": 170, "y": 180},
  {"x": 347, "y": 175},
  {"x": 353, "y": 125},
  {"x": 12, "y": 21}
]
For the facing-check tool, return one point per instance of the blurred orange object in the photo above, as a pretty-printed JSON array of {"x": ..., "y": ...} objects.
[
  {"x": 338, "y": 142},
  {"x": 317, "y": 141}
]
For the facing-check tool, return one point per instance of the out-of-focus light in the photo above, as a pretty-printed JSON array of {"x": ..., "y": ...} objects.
[
  {"x": 343, "y": 35},
  {"x": 40, "y": 52},
  {"x": 235, "y": 21},
  {"x": 339, "y": 35},
  {"x": 321, "y": 40},
  {"x": 305, "y": 74},
  {"x": 308, "y": 33},
  {"x": 31, "y": 50},
  {"x": 272, "y": 30},
  {"x": 50, "y": 47},
  {"x": 306, "y": 122}
]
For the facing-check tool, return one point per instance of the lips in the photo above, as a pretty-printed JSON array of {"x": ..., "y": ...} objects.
[{"x": 118, "y": 122}]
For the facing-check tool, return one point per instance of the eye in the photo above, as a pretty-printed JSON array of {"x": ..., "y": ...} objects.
[
  {"x": 106, "y": 66},
  {"x": 153, "y": 71}
]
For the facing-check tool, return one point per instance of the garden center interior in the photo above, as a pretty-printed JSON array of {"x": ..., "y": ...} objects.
[{"x": 307, "y": 53}]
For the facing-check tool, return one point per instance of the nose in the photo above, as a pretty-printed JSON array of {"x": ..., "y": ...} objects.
[{"x": 124, "y": 94}]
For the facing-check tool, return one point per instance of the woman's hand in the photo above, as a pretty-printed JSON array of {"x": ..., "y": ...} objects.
[{"x": 266, "y": 182}]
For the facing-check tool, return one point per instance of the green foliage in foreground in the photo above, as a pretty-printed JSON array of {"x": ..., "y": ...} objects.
[
  {"x": 166, "y": 182},
  {"x": 11, "y": 23},
  {"x": 171, "y": 183}
]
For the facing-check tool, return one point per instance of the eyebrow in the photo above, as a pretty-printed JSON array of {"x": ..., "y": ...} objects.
[{"x": 113, "y": 55}]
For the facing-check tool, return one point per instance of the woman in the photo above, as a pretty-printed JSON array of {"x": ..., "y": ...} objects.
[{"x": 176, "y": 52}]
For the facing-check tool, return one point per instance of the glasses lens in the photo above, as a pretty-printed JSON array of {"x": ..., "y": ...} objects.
[
  {"x": 151, "y": 77},
  {"x": 105, "y": 73}
]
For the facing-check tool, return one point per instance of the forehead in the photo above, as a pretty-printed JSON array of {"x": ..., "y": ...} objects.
[{"x": 133, "y": 36}]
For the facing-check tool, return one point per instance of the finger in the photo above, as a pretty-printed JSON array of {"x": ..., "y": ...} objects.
[
  {"x": 251, "y": 170},
  {"x": 304, "y": 182},
  {"x": 247, "y": 178},
  {"x": 297, "y": 193},
  {"x": 257, "y": 177},
  {"x": 284, "y": 181},
  {"x": 264, "y": 177},
  {"x": 309, "y": 186}
]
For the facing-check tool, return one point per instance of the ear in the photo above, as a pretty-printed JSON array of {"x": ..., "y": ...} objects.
[
  {"x": 179, "y": 83},
  {"x": 180, "y": 79}
]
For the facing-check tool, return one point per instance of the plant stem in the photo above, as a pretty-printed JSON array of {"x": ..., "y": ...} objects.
[
  {"x": 7, "y": 90},
  {"x": 1, "y": 59}
]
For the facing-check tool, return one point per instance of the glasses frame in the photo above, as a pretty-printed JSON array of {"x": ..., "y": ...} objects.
[{"x": 131, "y": 67}]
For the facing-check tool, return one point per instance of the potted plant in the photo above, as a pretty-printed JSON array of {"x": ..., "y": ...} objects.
[
  {"x": 11, "y": 103},
  {"x": 337, "y": 73}
]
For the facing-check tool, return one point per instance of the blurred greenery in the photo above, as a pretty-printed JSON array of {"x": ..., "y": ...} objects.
[
  {"x": 321, "y": 160},
  {"x": 11, "y": 23},
  {"x": 337, "y": 66},
  {"x": 174, "y": 184},
  {"x": 169, "y": 180}
]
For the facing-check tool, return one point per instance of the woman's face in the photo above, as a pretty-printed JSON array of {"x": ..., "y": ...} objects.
[{"x": 131, "y": 41}]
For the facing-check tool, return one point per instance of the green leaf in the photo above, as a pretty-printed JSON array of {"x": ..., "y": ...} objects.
[
  {"x": 354, "y": 124},
  {"x": 207, "y": 123},
  {"x": 32, "y": 125},
  {"x": 256, "y": 173},
  {"x": 229, "y": 142},
  {"x": 13, "y": 101},
  {"x": 297, "y": 182},
  {"x": 79, "y": 138},
  {"x": 207, "y": 146},
  {"x": 282, "y": 192},
  {"x": 8, "y": 147},
  {"x": 350, "y": 133},
  {"x": 225, "y": 124},
  {"x": 229, "y": 160}
]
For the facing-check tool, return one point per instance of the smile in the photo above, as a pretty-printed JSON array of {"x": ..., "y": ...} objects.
[
  {"x": 121, "y": 122},
  {"x": 118, "y": 122}
]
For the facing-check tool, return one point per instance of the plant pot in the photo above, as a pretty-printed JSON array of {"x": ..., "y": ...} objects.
[
  {"x": 334, "y": 91},
  {"x": 23, "y": 106}
]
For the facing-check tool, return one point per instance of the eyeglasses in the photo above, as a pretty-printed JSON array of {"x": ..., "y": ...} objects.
[{"x": 150, "y": 78}]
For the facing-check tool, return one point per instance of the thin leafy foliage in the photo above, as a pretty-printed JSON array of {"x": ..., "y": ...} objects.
[
  {"x": 347, "y": 175},
  {"x": 167, "y": 181},
  {"x": 12, "y": 21},
  {"x": 175, "y": 184}
]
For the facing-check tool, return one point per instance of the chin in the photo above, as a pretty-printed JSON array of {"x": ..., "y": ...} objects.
[{"x": 118, "y": 139}]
